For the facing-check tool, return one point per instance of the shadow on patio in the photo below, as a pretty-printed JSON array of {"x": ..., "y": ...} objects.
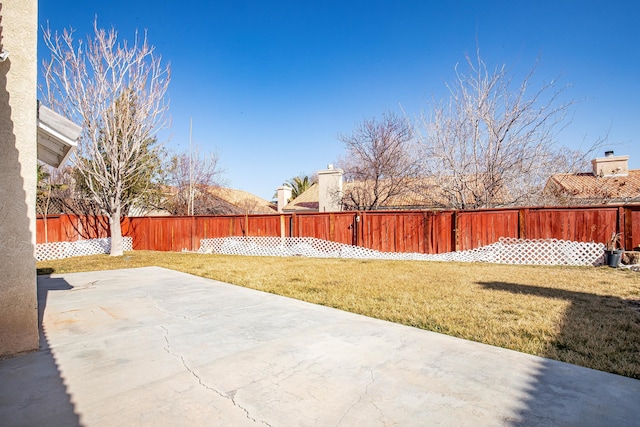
[
  {"x": 34, "y": 380},
  {"x": 591, "y": 322}
]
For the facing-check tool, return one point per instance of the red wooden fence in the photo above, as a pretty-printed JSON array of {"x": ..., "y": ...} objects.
[
  {"x": 67, "y": 228},
  {"x": 632, "y": 228},
  {"x": 185, "y": 232},
  {"x": 389, "y": 231},
  {"x": 582, "y": 225},
  {"x": 481, "y": 228}
]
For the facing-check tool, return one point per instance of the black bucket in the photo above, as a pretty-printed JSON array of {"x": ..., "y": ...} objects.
[{"x": 613, "y": 258}]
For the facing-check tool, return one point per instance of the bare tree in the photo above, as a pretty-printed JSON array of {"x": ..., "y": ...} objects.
[
  {"x": 380, "y": 162},
  {"x": 115, "y": 90},
  {"x": 494, "y": 144},
  {"x": 194, "y": 177},
  {"x": 47, "y": 187},
  {"x": 54, "y": 186},
  {"x": 57, "y": 194}
]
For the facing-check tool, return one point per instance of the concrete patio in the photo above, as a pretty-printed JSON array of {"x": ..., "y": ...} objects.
[{"x": 152, "y": 346}]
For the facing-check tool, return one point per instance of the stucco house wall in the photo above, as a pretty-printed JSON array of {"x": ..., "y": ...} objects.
[{"x": 18, "y": 94}]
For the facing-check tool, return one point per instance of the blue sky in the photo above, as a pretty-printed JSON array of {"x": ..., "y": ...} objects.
[{"x": 271, "y": 84}]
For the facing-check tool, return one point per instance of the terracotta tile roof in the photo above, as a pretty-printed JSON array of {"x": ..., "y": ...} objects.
[{"x": 588, "y": 187}]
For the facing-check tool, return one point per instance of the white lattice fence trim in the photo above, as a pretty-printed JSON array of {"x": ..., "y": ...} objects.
[
  {"x": 505, "y": 251},
  {"x": 60, "y": 250}
]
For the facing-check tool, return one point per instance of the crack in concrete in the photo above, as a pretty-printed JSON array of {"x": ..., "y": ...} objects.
[
  {"x": 366, "y": 392},
  {"x": 170, "y": 314},
  {"x": 290, "y": 372},
  {"x": 230, "y": 396}
]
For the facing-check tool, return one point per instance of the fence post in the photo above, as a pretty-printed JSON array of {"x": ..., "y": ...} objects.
[
  {"x": 620, "y": 226},
  {"x": 78, "y": 227},
  {"x": 361, "y": 231},
  {"x": 294, "y": 225},
  {"x": 523, "y": 215},
  {"x": 354, "y": 229},
  {"x": 455, "y": 234},
  {"x": 192, "y": 237},
  {"x": 282, "y": 231},
  {"x": 425, "y": 232},
  {"x": 628, "y": 229},
  {"x": 332, "y": 227}
]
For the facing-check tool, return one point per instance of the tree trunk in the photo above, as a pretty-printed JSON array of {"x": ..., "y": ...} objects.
[{"x": 116, "y": 232}]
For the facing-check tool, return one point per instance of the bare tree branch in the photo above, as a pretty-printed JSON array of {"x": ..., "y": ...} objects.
[
  {"x": 194, "y": 176},
  {"x": 380, "y": 161},
  {"x": 494, "y": 143},
  {"x": 116, "y": 92}
]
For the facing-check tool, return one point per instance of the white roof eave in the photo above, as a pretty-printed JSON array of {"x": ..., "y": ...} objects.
[{"x": 57, "y": 137}]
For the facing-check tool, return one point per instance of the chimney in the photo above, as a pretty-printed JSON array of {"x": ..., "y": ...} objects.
[
  {"x": 330, "y": 190},
  {"x": 284, "y": 194},
  {"x": 610, "y": 165}
]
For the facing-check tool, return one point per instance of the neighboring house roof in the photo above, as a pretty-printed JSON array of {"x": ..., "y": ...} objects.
[
  {"x": 229, "y": 201},
  {"x": 308, "y": 201},
  {"x": 418, "y": 195},
  {"x": 588, "y": 188},
  {"x": 423, "y": 193},
  {"x": 225, "y": 200},
  {"x": 247, "y": 202},
  {"x": 137, "y": 211}
]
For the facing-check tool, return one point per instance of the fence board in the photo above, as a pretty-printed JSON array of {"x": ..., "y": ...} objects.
[
  {"x": 376, "y": 233},
  {"x": 481, "y": 228},
  {"x": 185, "y": 233},
  {"x": 632, "y": 228},
  {"x": 394, "y": 231},
  {"x": 317, "y": 225},
  {"x": 439, "y": 232},
  {"x": 343, "y": 228},
  {"x": 578, "y": 224},
  {"x": 68, "y": 228}
]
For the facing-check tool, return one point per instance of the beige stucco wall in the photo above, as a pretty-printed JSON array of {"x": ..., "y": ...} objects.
[
  {"x": 330, "y": 190},
  {"x": 611, "y": 166},
  {"x": 284, "y": 194},
  {"x": 18, "y": 75}
]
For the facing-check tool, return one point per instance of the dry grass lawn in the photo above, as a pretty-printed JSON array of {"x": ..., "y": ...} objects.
[{"x": 582, "y": 315}]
